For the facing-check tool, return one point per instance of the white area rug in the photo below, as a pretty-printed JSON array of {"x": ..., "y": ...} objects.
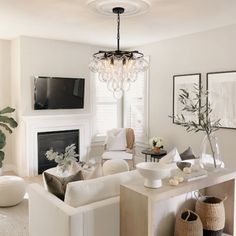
[{"x": 14, "y": 220}]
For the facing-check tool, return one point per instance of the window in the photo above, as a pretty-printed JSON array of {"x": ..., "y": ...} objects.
[
  {"x": 131, "y": 111},
  {"x": 136, "y": 108},
  {"x": 108, "y": 112}
]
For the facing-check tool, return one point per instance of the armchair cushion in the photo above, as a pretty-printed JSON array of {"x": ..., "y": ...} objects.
[{"x": 116, "y": 140}]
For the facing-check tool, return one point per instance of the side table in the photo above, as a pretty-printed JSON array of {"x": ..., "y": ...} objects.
[{"x": 153, "y": 155}]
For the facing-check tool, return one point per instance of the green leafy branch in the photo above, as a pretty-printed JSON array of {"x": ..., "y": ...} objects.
[{"x": 199, "y": 107}]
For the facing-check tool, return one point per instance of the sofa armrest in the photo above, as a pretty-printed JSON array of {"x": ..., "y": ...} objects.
[{"x": 49, "y": 216}]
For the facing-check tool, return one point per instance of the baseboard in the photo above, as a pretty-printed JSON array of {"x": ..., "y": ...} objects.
[{"x": 9, "y": 167}]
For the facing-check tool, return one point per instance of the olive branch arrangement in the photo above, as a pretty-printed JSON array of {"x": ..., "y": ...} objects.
[{"x": 199, "y": 107}]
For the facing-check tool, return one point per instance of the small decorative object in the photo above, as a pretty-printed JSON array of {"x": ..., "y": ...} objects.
[
  {"x": 153, "y": 173},
  {"x": 187, "y": 170},
  {"x": 212, "y": 214},
  {"x": 176, "y": 180},
  {"x": 198, "y": 105},
  {"x": 188, "y": 223},
  {"x": 65, "y": 160},
  {"x": 180, "y": 179},
  {"x": 182, "y": 164},
  {"x": 173, "y": 182},
  {"x": 6, "y": 123},
  {"x": 156, "y": 144}
]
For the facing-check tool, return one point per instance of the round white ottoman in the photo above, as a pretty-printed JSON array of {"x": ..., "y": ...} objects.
[
  {"x": 114, "y": 166},
  {"x": 12, "y": 190}
]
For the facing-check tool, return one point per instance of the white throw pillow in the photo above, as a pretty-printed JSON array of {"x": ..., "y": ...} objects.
[
  {"x": 81, "y": 193},
  {"x": 170, "y": 157},
  {"x": 116, "y": 140}
]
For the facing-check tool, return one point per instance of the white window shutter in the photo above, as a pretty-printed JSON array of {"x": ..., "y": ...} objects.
[{"x": 136, "y": 107}]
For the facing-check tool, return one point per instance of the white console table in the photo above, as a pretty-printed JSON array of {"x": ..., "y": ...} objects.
[{"x": 152, "y": 212}]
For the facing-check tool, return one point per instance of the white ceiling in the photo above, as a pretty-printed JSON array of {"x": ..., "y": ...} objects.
[{"x": 72, "y": 20}]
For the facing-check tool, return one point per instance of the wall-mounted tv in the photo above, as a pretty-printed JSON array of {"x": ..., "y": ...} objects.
[{"x": 58, "y": 93}]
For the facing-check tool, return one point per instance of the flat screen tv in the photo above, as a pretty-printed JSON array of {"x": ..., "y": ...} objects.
[{"x": 58, "y": 93}]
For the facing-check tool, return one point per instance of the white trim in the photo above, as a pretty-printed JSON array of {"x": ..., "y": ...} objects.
[{"x": 35, "y": 124}]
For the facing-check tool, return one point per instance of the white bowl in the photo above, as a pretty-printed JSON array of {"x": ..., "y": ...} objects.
[{"x": 153, "y": 172}]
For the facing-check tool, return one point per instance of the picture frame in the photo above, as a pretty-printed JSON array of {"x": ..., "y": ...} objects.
[
  {"x": 222, "y": 97},
  {"x": 184, "y": 81}
]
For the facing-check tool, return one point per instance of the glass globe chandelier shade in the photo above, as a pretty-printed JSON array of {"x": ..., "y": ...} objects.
[{"x": 118, "y": 68}]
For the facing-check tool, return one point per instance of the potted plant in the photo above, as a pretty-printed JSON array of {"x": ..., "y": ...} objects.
[
  {"x": 6, "y": 124},
  {"x": 64, "y": 160},
  {"x": 156, "y": 144},
  {"x": 199, "y": 107}
]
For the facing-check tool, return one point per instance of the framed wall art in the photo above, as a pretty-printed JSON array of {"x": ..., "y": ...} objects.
[
  {"x": 187, "y": 82},
  {"x": 222, "y": 97}
]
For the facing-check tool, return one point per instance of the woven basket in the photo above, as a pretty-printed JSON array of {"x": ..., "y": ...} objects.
[
  {"x": 212, "y": 214},
  {"x": 188, "y": 223}
]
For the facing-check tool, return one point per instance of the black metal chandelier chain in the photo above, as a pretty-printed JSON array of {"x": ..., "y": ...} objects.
[{"x": 118, "y": 32}]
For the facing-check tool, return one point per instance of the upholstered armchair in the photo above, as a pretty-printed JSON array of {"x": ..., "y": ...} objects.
[{"x": 120, "y": 144}]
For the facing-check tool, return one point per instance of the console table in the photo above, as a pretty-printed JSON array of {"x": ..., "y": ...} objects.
[{"x": 152, "y": 212}]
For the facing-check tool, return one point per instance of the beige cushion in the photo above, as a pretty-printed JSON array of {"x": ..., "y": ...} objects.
[
  {"x": 85, "y": 192},
  {"x": 111, "y": 167},
  {"x": 12, "y": 190},
  {"x": 116, "y": 155}
]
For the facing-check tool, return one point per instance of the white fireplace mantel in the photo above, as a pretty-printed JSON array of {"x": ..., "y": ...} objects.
[{"x": 47, "y": 123}]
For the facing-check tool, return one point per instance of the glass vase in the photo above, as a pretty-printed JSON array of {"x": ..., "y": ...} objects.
[
  {"x": 63, "y": 170},
  {"x": 210, "y": 153}
]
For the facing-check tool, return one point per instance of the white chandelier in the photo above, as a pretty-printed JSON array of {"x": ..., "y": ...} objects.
[{"x": 118, "y": 68}]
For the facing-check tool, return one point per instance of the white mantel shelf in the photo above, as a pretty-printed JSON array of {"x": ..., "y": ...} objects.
[{"x": 149, "y": 212}]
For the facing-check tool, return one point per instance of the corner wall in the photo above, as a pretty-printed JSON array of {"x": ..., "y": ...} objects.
[
  {"x": 5, "y": 90},
  {"x": 203, "y": 52}
]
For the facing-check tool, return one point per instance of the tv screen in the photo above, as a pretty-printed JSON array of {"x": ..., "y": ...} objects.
[{"x": 58, "y": 93}]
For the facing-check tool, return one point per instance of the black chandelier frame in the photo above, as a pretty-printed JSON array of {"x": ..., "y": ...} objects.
[{"x": 118, "y": 54}]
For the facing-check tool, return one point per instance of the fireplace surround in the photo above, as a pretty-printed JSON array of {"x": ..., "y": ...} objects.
[{"x": 32, "y": 125}]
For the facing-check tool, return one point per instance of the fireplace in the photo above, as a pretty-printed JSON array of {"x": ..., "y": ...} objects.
[{"x": 58, "y": 140}]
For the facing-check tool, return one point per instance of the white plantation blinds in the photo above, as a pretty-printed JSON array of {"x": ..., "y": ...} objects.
[
  {"x": 136, "y": 108},
  {"x": 107, "y": 110}
]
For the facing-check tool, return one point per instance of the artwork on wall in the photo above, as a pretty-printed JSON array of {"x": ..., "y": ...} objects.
[
  {"x": 187, "y": 82},
  {"x": 222, "y": 97}
]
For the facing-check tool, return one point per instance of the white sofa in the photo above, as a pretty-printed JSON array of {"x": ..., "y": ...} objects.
[{"x": 91, "y": 208}]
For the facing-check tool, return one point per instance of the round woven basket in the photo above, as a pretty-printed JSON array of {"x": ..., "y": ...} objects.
[
  {"x": 212, "y": 214},
  {"x": 188, "y": 223}
]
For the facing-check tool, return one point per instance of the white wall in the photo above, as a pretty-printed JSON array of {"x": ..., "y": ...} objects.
[
  {"x": 34, "y": 57},
  {"x": 202, "y": 52},
  {"x": 5, "y": 83},
  {"x": 53, "y": 58}
]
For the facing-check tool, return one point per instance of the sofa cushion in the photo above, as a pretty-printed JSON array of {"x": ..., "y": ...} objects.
[
  {"x": 85, "y": 192},
  {"x": 57, "y": 185}
]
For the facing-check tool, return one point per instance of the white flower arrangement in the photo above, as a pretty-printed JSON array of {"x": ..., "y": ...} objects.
[
  {"x": 61, "y": 159},
  {"x": 156, "y": 142}
]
